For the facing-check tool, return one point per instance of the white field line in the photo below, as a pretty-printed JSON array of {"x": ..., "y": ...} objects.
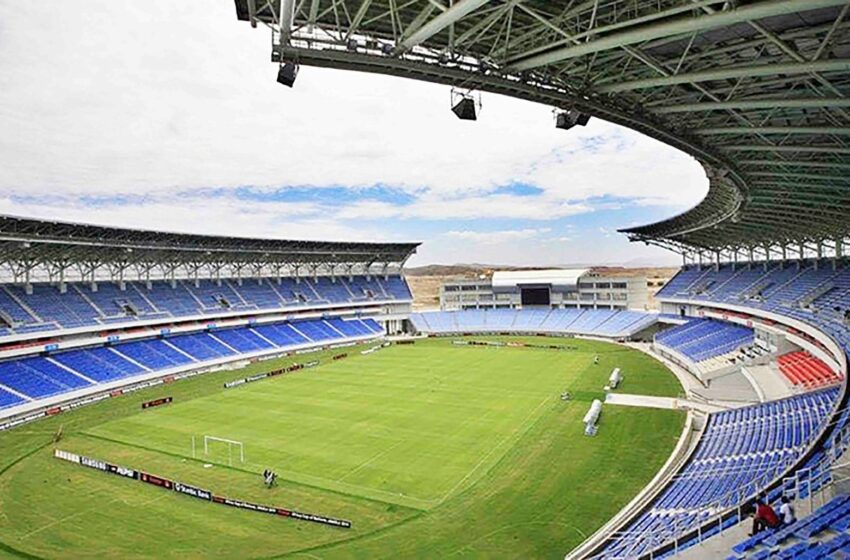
[
  {"x": 370, "y": 461},
  {"x": 63, "y": 519},
  {"x": 79, "y": 513},
  {"x": 522, "y": 428}
]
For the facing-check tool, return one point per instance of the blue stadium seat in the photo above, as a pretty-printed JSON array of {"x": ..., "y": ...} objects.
[{"x": 598, "y": 322}]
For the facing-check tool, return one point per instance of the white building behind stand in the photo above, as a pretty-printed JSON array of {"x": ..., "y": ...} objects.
[{"x": 577, "y": 288}]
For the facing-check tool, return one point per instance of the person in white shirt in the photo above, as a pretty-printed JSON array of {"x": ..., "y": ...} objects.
[{"x": 786, "y": 511}]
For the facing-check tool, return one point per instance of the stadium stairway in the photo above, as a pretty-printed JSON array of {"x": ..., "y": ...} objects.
[
  {"x": 738, "y": 449},
  {"x": 820, "y": 532}
]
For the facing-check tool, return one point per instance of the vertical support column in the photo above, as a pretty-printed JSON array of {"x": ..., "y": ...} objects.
[
  {"x": 27, "y": 283},
  {"x": 63, "y": 287}
]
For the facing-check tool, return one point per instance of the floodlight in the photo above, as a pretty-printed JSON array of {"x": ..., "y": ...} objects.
[
  {"x": 465, "y": 109},
  {"x": 565, "y": 120},
  {"x": 287, "y": 73}
]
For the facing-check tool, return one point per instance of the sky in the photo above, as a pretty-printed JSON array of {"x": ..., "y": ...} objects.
[{"x": 167, "y": 115}]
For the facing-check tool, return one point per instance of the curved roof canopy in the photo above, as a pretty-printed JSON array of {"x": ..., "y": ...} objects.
[
  {"x": 559, "y": 278},
  {"x": 758, "y": 91},
  {"x": 25, "y": 240}
]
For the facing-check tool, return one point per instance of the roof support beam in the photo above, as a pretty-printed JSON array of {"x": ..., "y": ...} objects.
[
  {"x": 731, "y": 72},
  {"x": 678, "y": 26},
  {"x": 794, "y": 163},
  {"x": 744, "y": 104},
  {"x": 836, "y": 130},
  {"x": 787, "y": 149},
  {"x": 785, "y": 185},
  {"x": 445, "y": 19},
  {"x": 287, "y": 16},
  {"x": 812, "y": 176},
  {"x": 792, "y": 194}
]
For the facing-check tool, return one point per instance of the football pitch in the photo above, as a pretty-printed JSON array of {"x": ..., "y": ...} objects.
[{"x": 431, "y": 450}]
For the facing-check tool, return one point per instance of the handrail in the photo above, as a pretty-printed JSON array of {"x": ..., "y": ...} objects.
[{"x": 732, "y": 502}]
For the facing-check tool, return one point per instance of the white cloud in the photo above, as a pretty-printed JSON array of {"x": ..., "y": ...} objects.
[
  {"x": 176, "y": 96},
  {"x": 437, "y": 207},
  {"x": 214, "y": 216},
  {"x": 496, "y": 237},
  {"x": 154, "y": 98}
]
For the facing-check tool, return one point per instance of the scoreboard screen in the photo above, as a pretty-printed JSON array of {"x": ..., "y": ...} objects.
[{"x": 535, "y": 296}]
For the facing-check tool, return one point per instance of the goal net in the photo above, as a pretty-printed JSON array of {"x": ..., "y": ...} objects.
[{"x": 214, "y": 447}]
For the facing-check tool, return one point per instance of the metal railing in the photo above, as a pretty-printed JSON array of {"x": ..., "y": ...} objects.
[{"x": 811, "y": 483}]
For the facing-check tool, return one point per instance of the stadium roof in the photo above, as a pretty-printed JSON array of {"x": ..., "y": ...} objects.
[
  {"x": 23, "y": 239},
  {"x": 560, "y": 277},
  {"x": 757, "y": 91}
]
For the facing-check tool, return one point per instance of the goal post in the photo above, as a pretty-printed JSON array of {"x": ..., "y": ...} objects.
[{"x": 210, "y": 441}]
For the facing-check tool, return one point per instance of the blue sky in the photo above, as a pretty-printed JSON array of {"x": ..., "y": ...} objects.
[{"x": 173, "y": 120}]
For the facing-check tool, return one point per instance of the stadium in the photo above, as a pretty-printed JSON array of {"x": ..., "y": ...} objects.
[{"x": 170, "y": 394}]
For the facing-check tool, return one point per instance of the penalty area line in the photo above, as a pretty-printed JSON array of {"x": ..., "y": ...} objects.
[
  {"x": 523, "y": 427},
  {"x": 369, "y": 461}
]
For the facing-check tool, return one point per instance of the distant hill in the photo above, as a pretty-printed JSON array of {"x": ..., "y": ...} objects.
[{"x": 474, "y": 270}]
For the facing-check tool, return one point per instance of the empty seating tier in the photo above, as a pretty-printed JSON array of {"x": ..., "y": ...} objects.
[
  {"x": 803, "y": 369},
  {"x": 814, "y": 292},
  {"x": 49, "y": 308},
  {"x": 818, "y": 535},
  {"x": 702, "y": 339},
  {"x": 596, "y": 322},
  {"x": 741, "y": 451},
  {"x": 29, "y": 379}
]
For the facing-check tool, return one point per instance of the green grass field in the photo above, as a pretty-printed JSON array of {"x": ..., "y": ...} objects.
[{"x": 431, "y": 450}]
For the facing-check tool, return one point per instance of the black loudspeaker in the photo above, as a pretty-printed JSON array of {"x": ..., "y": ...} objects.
[
  {"x": 465, "y": 109},
  {"x": 563, "y": 121},
  {"x": 287, "y": 73},
  {"x": 568, "y": 119}
]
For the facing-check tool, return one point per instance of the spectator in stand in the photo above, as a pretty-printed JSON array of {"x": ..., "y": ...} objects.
[
  {"x": 786, "y": 511},
  {"x": 764, "y": 517}
]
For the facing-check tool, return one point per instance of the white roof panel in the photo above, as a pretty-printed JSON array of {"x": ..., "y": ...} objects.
[{"x": 560, "y": 277}]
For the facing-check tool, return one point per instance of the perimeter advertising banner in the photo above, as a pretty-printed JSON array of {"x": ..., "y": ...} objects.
[
  {"x": 156, "y": 480},
  {"x": 196, "y": 492},
  {"x": 259, "y": 376},
  {"x": 193, "y": 491},
  {"x": 157, "y": 402}
]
